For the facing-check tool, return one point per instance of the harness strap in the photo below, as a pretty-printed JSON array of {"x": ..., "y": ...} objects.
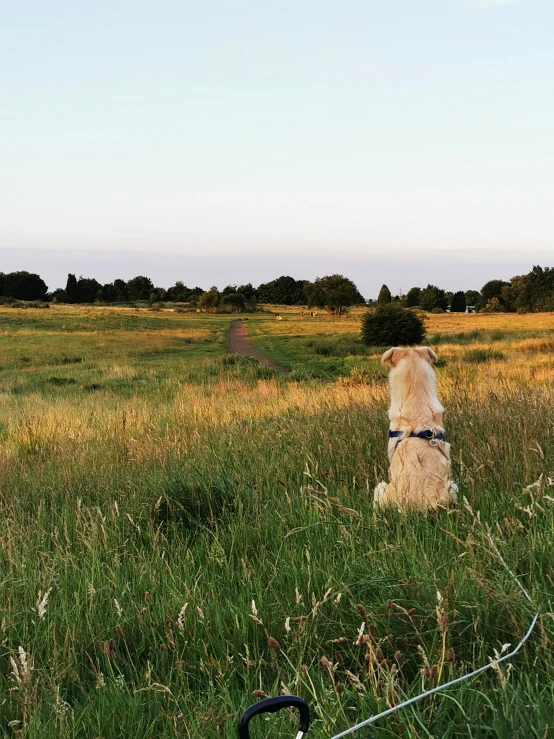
[{"x": 431, "y": 435}]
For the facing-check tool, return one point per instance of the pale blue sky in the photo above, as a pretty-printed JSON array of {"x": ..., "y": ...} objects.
[{"x": 310, "y": 134}]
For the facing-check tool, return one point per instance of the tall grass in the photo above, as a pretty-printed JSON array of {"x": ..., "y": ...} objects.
[{"x": 197, "y": 532}]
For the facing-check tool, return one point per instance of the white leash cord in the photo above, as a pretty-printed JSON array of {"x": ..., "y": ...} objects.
[{"x": 457, "y": 680}]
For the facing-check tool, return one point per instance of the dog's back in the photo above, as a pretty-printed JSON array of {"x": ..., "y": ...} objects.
[
  {"x": 420, "y": 467},
  {"x": 419, "y": 475}
]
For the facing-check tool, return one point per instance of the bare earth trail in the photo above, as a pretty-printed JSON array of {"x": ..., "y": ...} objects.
[{"x": 239, "y": 342}]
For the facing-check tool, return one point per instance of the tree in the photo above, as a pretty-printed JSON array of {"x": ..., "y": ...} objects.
[
  {"x": 433, "y": 297},
  {"x": 392, "y": 325},
  {"x": 58, "y": 296},
  {"x": 458, "y": 304},
  {"x": 412, "y": 298},
  {"x": 532, "y": 292},
  {"x": 139, "y": 288},
  {"x": 120, "y": 287},
  {"x": 157, "y": 295},
  {"x": 88, "y": 289},
  {"x": 472, "y": 297},
  {"x": 177, "y": 293},
  {"x": 180, "y": 293},
  {"x": 282, "y": 291},
  {"x": 491, "y": 289},
  {"x": 209, "y": 300},
  {"x": 24, "y": 286},
  {"x": 515, "y": 295},
  {"x": 71, "y": 289},
  {"x": 384, "y": 296},
  {"x": 233, "y": 302},
  {"x": 335, "y": 293},
  {"x": 248, "y": 291},
  {"x": 195, "y": 293},
  {"x": 108, "y": 293}
]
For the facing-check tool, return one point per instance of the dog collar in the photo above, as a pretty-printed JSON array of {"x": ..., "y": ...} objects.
[{"x": 431, "y": 435}]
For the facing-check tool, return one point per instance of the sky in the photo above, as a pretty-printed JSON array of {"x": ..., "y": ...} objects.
[{"x": 216, "y": 142}]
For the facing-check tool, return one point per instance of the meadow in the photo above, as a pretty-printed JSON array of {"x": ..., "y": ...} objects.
[{"x": 185, "y": 531}]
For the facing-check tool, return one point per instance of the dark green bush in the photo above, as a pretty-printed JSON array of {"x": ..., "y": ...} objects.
[{"x": 392, "y": 325}]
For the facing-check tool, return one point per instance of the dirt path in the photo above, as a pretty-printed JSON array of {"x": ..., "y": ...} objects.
[{"x": 239, "y": 342}]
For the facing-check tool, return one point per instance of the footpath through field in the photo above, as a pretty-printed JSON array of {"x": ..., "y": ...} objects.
[{"x": 239, "y": 342}]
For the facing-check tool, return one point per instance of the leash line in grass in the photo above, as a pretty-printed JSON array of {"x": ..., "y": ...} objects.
[{"x": 492, "y": 664}]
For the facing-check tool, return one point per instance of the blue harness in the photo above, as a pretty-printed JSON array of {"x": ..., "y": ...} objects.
[{"x": 429, "y": 434}]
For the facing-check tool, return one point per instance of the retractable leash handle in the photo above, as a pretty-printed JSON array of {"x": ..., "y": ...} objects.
[{"x": 272, "y": 705}]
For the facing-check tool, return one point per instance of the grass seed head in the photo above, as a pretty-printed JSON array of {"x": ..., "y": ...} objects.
[
  {"x": 42, "y": 603},
  {"x": 180, "y": 618},
  {"x": 273, "y": 644}
]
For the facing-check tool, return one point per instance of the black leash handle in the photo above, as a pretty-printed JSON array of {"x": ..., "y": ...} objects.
[{"x": 272, "y": 705}]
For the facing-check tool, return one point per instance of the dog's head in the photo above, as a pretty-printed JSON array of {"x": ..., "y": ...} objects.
[
  {"x": 393, "y": 357},
  {"x": 412, "y": 382}
]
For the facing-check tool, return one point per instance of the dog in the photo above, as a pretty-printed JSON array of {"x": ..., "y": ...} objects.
[{"x": 420, "y": 474}]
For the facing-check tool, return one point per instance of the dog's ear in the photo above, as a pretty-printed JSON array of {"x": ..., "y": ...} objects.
[
  {"x": 427, "y": 354},
  {"x": 388, "y": 356}
]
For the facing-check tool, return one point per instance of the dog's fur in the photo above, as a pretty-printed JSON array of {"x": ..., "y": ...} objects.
[{"x": 419, "y": 471}]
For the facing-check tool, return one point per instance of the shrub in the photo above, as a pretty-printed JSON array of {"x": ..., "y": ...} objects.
[
  {"x": 493, "y": 306},
  {"x": 438, "y": 310},
  {"x": 392, "y": 325}
]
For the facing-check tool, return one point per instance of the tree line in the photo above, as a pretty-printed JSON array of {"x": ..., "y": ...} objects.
[
  {"x": 532, "y": 292},
  {"x": 529, "y": 293}
]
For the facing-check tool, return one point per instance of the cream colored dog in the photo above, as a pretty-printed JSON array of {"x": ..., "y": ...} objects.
[{"x": 419, "y": 456}]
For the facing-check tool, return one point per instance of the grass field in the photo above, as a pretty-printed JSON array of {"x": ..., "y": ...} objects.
[{"x": 183, "y": 530}]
